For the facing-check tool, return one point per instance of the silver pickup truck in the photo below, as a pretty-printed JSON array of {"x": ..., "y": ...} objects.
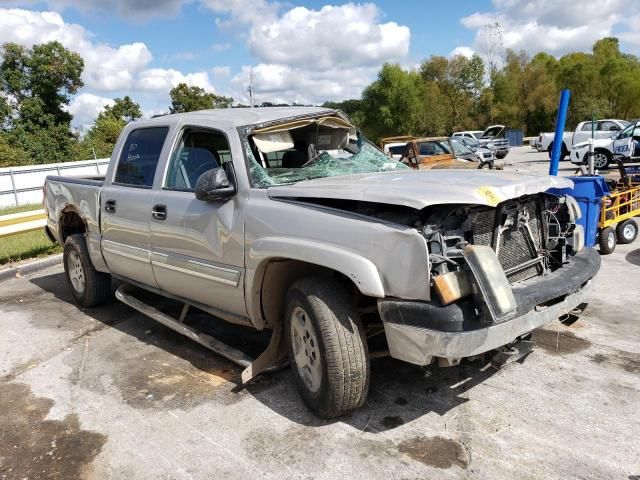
[{"x": 287, "y": 219}]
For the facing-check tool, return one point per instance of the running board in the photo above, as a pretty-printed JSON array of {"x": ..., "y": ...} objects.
[{"x": 262, "y": 364}]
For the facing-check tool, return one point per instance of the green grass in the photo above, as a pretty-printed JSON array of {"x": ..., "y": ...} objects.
[
  {"x": 20, "y": 209},
  {"x": 26, "y": 245}
]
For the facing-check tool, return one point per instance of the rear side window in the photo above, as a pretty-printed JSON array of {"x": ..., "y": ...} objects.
[
  {"x": 139, "y": 157},
  {"x": 586, "y": 127}
]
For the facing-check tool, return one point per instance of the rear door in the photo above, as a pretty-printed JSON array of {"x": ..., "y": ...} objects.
[
  {"x": 126, "y": 201},
  {"x": 198, "y": 246}
]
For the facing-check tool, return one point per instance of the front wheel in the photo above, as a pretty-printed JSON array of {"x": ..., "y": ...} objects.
[
  {"x": 88, "y": 286},
  {"x": 607, "y": 240},
  {"x": 601, "y": 159},
  {"x": 627, "y": 231},
  {"x": 327, "y": 347}
]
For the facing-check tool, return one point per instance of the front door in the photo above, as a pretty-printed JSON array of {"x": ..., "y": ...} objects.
[
  {"x": 627, "y": 144},
  {"x": 126, "y": 206},
  {"x": 198, "y": 246}
]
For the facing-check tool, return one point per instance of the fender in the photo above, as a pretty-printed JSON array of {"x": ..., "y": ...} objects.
[{"x": 362, "y": 271}]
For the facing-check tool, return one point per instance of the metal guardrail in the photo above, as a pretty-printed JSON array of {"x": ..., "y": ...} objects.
[
  {"x": 16, "y": 223},
  {"x": 17, "y": 175}
]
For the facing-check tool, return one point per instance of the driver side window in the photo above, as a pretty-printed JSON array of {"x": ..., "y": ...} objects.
[
  {"x": 197, "y": 152},
  {"x": 626, "y": 133}
]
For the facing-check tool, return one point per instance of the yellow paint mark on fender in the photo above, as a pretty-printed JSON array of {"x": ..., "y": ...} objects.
[{"x": 492, "y": 197}]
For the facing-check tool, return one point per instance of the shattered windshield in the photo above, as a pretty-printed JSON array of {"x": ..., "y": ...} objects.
[{"x": 314, "y": 150}]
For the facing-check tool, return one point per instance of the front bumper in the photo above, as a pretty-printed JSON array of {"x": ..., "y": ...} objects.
[
  {"x": 577, "y": 155},
  {"x": 418, "y": 331}
]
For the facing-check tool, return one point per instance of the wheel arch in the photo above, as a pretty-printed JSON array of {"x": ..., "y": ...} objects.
[
  {"x": 70, "y": 223},
  {"x": 281, "y": 261}
]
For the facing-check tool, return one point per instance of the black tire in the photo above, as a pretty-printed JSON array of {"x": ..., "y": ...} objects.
[
  {"x": 606, "y": 158},
  {"x": 607, "y": 241},
  {"x": 341, "y": 346},
  {"x": 627, "y": 231},
  {"x": 563, "y": 151},
  {"x": 96, "y": 286}
]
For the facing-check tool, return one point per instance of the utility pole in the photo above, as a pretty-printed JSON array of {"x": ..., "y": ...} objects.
[{"x": 251, "y": 89}]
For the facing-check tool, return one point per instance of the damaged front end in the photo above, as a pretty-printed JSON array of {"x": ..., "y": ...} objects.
[{"x": 496, "y": 274}]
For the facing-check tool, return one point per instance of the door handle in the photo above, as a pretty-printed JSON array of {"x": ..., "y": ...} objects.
[
  {"x": 159, "y": 212},
  {"x": 110, "y": 206}
]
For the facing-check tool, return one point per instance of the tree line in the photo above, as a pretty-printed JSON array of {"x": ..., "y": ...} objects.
[
  {"x": 459, "y": 93},
  {"x": 443, "y": 95},
  {"x": 36, "y": 85}
]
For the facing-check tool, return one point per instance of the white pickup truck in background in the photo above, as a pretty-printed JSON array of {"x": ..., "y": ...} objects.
[{"x": 602, "y": 129}]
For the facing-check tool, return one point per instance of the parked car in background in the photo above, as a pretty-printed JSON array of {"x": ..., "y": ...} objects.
[
  {"x": 394, "y": 147},
  {"x": 476, "y": 147},
  {"x": 624, "y": 145},
  {"x": 492, "y": 138},
  {"x": 441, "y": 152},
  {"x": 473, "y": 134},
  {"x": 603, "y": 129}
]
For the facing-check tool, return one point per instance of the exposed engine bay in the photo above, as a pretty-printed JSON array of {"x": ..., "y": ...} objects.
[{"x": 531, "y": 236}]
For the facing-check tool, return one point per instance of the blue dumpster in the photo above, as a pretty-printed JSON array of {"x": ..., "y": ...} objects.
[{"x": 588, "y": 191}]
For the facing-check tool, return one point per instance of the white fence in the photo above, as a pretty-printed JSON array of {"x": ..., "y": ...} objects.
[{"x": 23, "y": 185}]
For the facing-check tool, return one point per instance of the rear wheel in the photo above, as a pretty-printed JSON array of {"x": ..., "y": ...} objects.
[
  {"x": 563, "y": 151},
  {"x": 88, "y": 286},
  {"x": 627, "y": 231},
  {"x": 607, "y": 241},
  {"x": 327, "y": 347}
]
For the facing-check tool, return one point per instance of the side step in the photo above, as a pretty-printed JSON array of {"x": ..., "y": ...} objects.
[{"x": 265, "y": 362}]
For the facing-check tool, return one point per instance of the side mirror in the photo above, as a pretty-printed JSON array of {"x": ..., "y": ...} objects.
[{"x": 214, "y": 184}]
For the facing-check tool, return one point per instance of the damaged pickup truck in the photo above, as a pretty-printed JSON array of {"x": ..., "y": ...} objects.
[{"x": 287, "y": 219}]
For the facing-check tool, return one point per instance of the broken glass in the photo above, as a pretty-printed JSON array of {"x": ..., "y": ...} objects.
[{"x": 328, "y": 163}]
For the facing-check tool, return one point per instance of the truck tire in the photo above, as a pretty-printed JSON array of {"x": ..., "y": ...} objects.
[
  {"x": 563, "y": 151},
  {"x": 327, "y": 346},
  {"x": 607, "y": 241},
  {"x": 627, "y": 231},
  {"x": 88, "y": 286}
]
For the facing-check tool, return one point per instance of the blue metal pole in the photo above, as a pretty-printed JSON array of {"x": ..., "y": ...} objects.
[{"x": 557, "y": 139}]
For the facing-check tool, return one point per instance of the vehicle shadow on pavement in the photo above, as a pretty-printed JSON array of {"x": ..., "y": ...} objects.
[{"x": 399, "y": 392}]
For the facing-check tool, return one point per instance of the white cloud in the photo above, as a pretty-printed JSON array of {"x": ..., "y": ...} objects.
[
  {"x": 164, "y": 79},
  {"x": 128, "y": 8},
  {"x": 283, "y": 83},
  {"x": 556, "y": 27},
  {"x": 221, "y": 71},
  {"x": 464, "y": 51},
  {"x": 309, "y": 56},
  {"x": 332, "y": 37},
  {"x": 221, "y": 47},
  {"x": 106, "y": 68},
  {"x": 243, "y": 12},
  {"x": 85, "y": 107}
]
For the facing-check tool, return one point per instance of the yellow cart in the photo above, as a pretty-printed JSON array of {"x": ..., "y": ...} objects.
[{"x": 618, "y": 208}]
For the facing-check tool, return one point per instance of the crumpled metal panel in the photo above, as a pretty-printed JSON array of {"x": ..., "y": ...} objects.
[{"x": 421, "y": 189}]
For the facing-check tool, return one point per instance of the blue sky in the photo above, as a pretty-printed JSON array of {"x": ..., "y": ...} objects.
[{"x": 305, "y": 51}]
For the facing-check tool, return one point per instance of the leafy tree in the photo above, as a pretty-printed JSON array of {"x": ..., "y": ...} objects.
[
  {"x": 392, "y": 105},
  {"x": 35, "y": 85},
  {"x": 188, "y": 99},
  {"x": 460, "y": 81},
  {"x": 11, "y": 156},
  {"x": 104, "y": 133},
  {"x": 123, "y": 108}
]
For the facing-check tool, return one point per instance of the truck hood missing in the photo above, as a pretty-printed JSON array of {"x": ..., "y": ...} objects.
[{"x": 420, "y": 189}]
